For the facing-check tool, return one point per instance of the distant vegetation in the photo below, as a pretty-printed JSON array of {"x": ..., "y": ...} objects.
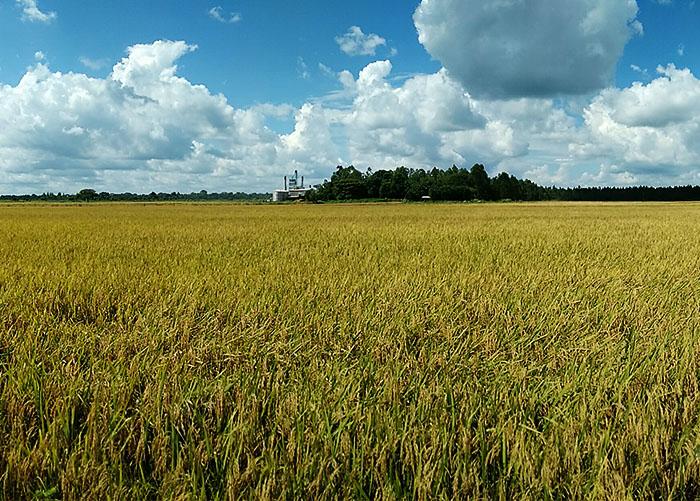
[
  {"x": 460, "y": 184},
  {"x": 90, "y": 195},
  {"x": 454, "y": 184},
  {"x": 455, "y": 351}
]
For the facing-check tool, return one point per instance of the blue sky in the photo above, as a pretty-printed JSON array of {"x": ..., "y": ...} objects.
[
  {"x": 254, "y": 60},
  {"x": 233, "y": 95},
  {"x": 670, "y": 36}
]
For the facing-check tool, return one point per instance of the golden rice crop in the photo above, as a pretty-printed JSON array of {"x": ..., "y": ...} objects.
[{"x": 362, "y": 351}]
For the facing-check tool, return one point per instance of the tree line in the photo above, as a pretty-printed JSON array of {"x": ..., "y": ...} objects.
[
  {"x": 456, "y": 184},
  {"x": 453, "y": 184},
  {"x": 461, "y": 184},
  {"x": 90, "y": 195}
]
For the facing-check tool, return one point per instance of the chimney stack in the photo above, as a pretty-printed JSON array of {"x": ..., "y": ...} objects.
[{"x": 285, "y": 183}]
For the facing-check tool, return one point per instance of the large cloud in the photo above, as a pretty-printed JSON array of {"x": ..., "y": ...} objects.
[
  {"x": 518, "y": 48},
  {"x": 61, "y": 131},
  {"x": 428, "y": 120},
  {"x": 653, "y": 129},
  {"x": 642, "y": 134},
  {"x": 145, "y": 128}
]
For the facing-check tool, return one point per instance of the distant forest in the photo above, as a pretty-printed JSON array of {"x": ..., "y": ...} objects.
[
  {"x": 453, "y": 184},
  {"x": 461, "y": 184},
  {"x": 90, "y": 195}
]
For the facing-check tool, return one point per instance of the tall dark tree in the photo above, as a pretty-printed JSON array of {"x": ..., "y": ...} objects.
[{"x": 481, "y": 182}]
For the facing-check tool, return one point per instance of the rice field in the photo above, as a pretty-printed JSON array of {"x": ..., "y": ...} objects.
[{"x": 390, "y": 351}]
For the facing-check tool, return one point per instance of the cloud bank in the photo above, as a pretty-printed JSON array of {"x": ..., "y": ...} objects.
[
  {"x": 167, "y": 133},
  {"x": 144, "y": 127},
  {"x": 69, "y": 130}
]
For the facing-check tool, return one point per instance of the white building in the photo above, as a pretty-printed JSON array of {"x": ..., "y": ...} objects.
[{"x": 295, "y": 190}]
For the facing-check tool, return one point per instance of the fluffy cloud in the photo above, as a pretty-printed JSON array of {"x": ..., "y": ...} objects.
[
  {"x": 31, "y": 12},
  {"x": 61, "y": 131},
  {"x": 533, "y": 48},
  {"x": 356, "y": 43},
  {"x": 429, "y": 120},
  {"x": 643, "y": 134},
  {"x": 652, "y": 130},
  {"x": 311, "y": 144},
  {"x": 146, "y": 128},
  {"x": 672, "y": 98}
]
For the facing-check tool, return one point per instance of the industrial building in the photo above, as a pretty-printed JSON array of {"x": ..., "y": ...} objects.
[{"x": 293, "y": 189}]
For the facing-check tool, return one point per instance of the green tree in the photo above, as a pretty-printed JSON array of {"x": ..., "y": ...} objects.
[
  {"x": 506, "y": 187},
  {"x": 86, "y": 194},
  {"x": 348, "y": 183},
  {"x": 481, "y": 182},
  {"x": 419, "y": 184},
  {"x": 374, "y": 182}
]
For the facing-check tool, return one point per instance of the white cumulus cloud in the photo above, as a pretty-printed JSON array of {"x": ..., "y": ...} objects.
[
  {"x": 652, "y": 129},
  {"x": 520, "y": 48},
  {"x": 428, "y": 120},
  {"x": 31, "y": 12},
  {"x": 144, "y": 127},
  {"x": 356, "y": 43},
  {"x": 62, "y": 131}
]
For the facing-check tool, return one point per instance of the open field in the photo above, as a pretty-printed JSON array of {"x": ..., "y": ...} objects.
[{"x": 350, "y": 351}]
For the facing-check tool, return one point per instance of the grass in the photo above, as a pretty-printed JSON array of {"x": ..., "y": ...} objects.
[{"x": 378, "y": 351}]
